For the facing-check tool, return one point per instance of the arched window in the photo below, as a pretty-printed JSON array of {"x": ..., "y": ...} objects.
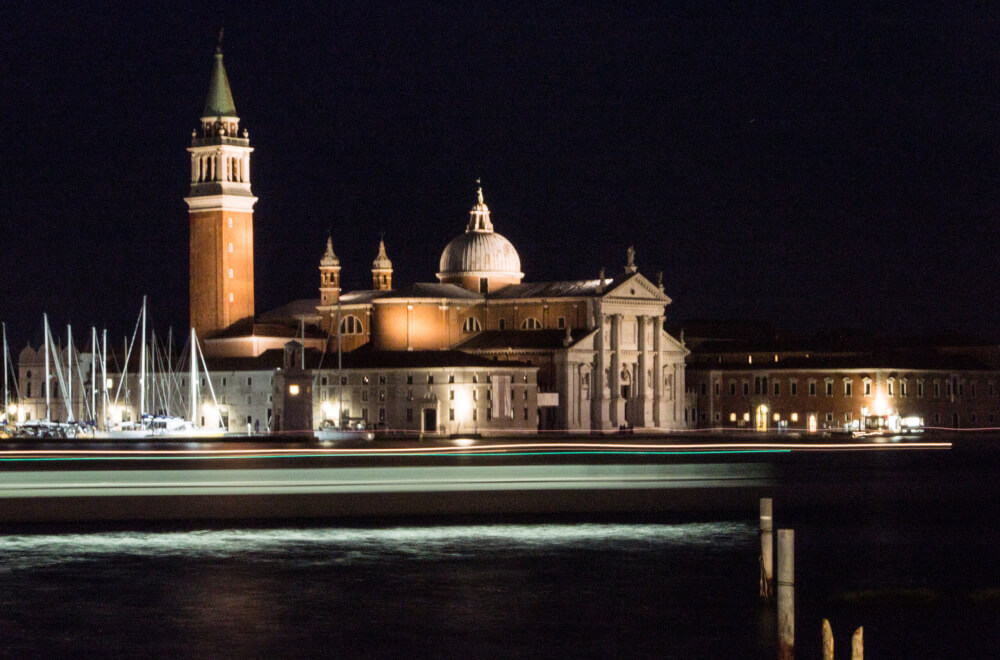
[
  {"x": 531, "y": 323},
  {"x": 350, "y": 325},
  {"x": 472, "y": 325}
]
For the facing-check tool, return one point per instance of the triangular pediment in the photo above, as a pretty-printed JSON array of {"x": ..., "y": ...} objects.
[{"x": 637, "y": 287}]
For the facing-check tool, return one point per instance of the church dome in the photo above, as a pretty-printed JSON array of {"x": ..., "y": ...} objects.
[{"x": 480, "y": 253}]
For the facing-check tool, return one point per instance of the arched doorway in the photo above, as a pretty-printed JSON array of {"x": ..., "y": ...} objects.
[{"x": 761, "y": 418}]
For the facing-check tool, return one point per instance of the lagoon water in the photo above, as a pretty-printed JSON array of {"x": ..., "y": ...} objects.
[{"x": 539, "y": 589}]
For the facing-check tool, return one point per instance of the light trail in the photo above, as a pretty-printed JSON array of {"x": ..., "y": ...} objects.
[{"x": 504, "y": 449}]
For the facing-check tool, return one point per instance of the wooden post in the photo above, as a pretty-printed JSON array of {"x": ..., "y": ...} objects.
[
  {"x": 827, "y": 640},
  {"x": 766, "y": 550},
  {"x": 858, "y": 644},
  {"x": 786, "y": 594}
]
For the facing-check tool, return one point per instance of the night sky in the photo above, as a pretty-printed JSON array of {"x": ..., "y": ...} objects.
[{"x": 815, "y": 166}]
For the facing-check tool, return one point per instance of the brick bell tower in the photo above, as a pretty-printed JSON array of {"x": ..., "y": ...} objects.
[{"x": 220, "y": 209}]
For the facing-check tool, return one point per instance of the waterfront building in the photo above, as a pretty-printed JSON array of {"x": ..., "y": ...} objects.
[{"x": 837, "y": 384}]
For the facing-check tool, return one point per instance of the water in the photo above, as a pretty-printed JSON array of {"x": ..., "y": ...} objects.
[
  {"x": 584, "y": 590},
  {"x": 922, "y": 589}
]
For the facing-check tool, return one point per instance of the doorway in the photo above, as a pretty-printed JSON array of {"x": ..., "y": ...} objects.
[{"x": 430, "y": 420}]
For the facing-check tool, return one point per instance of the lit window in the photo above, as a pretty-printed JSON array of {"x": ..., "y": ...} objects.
[
  {"x": 231, "y": 298},
  {"x": 732, "y": 417},
  {"x": 350, "y": 325},
  {"x": 293, "y": 390},
  {"x": 795, "y": 417}
]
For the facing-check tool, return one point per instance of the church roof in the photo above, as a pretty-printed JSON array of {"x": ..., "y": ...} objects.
[
  {"x": 566, "y": 289},
  {"x": 362, "y": 359},
  {"x": 432, "y": 290},
  {"x": 480, "y": 250},
  {"x": 219, "y": 102},
  {"x": 522, "y": 339},
  {"x": 297, "y": 309}
]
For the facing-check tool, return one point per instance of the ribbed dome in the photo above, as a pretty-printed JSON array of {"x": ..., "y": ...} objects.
[{"x": 480, "y": 252}]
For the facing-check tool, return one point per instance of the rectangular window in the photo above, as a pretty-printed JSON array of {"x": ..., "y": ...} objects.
[
  {"x": 249, "y": 381},
  {"x": 409, "y": 379},
  {"x": 364, "y": 395},
  {"x": 847, "y": 387},
  {"x": 249, "y": 399},
  {"x": 902, "y": 388},
  {"x": 526, "y": 413},
  {"x": 777, "y": 388},
  {"x": 381, "y": 379},
  {"x": 489, "y": 414},
  {"x": 920, "y": 389},
  {"x": 501, "y": 324},
  {"x": 475, "y": 395},
  {"x": 704, "y": 389},
  {"x": 409, "y": 395},
  {"x": 430, "y": 379},
  {"x": 343, "y": 380},
  {"x": 364, "y": 414},
  {"x": 409, "y": 414},
  {"x": 746, "y": 388},
  {"x": 475, "y": 414},
  {"x": 718, "y": 388},
  {"x": 451, "y": 395},
  {"x": 937, "y": 389},
  {"x": 732, "y": 389},
  {"x": 381, "y": 415},
  {"x": 451, "y": 414},
  {"x": 381, "y": 395},
  {"x": 812, "y": 388},
  {"x": 868, "y": 388},
  {"x": 475, "y": 378},
  {"x": 829, "y": 417},
  {"x": 829, "y": 388},
  {"x": 793, "y": 388},
  {"x": 451, "y": 378},
  {"x": 561, "y": 322}
]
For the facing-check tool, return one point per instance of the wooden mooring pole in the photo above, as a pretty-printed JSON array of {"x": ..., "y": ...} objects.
[
  {"x": 766, "y": 549},
  {"x": 786, "y": 594}
]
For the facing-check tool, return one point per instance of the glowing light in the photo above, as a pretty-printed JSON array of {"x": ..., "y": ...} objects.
[
  {"x": 746, "y": 417},
  {"x": 330, "y": 410},
  {"x": 293, "y": 389},
  {"x": 880, "y": 404},
  {"x": 777, "y": 417},
  {"x": 108, "y": 384},
  {"x": 732, "y": 417},
  {"x": 812, "y": 423},
  {"x": 795, "y": 417}
]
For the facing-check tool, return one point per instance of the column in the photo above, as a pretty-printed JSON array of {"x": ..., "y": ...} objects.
[
  {"x": 642, "y": 382},
  {"x": 658, "y": 403},
  {"x": 598, "y": 404},
  {"x": 617, "y": 403}
]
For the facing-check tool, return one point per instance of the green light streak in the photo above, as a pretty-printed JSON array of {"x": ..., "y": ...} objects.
[{"x": 396, "y": 455}]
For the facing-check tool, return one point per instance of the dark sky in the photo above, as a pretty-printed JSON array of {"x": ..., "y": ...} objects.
[{"x": 817, "y": 165}]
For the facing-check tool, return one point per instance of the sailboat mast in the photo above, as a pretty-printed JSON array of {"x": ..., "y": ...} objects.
[
  {"x": 6, "y": 394},
  {"x": 93, "y": 373},
  {"x": 142, "y": 365},
  {"x": 69, "y": 371},
  {"x": 192, "y": 355},
  {"x": 104, "y": 378},
  {"x": 340, "y": 367},
  {"x": 48, "y": 385}
]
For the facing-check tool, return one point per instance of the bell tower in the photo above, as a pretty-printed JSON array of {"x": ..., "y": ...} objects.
[
  {"x": 220, "y": 211},
  {"x": 382, "y": 269}
]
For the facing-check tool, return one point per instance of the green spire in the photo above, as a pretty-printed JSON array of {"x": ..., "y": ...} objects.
[{"x": 220, "y": 99}]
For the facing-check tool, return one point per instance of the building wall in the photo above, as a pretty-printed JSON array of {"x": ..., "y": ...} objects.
[
  {"x": 221, "y": 281},
  {"x": 464, "y": 399},
  {"x": 954, "y": 399}
]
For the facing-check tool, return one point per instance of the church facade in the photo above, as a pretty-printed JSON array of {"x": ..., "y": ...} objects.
[{"x": 596, "y": 349}]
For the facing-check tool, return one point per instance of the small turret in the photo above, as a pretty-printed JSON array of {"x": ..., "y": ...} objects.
[
  {"x": 381, "y": 269},
  {"x": 329, "y": 275}
]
